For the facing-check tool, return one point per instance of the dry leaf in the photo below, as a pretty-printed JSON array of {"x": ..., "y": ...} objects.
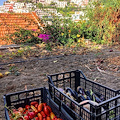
[{"x": 11, "y": 65}]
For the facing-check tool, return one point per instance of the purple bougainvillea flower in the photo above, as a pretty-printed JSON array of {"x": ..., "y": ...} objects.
[
  {"x": 62, "y": 28},
  {"x": 40, "y": 36},
  {"x": 44, "y": 37}
]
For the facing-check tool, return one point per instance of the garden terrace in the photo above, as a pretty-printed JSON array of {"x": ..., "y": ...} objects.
[{"x": 11, "y": 22}]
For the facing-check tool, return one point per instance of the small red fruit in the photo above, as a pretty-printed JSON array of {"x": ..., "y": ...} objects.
[
  {"x": 27, "y": 106},
  {"x": 36, "y": 118},
  {"x": 44, "y": 118},
  {"x": 40, "y": 116},
  {"x": 44, "y": 104},
  {"x": 20, "y": 109},
  {"x": 26, "y": 117},
  {"x": 43, "y": 114},
  {"x": 55, "y": 118},
  {"x": 33, "y": 103},
  {"x": 17, "y": 113},
  {"x": 40, "y": 107},
  {"x": 31, "y": 115},
  {"x": 25, "y": 112},
  {"x": 49, "y": 108},
  {"x": 36, "y": 105},
  {"x": 46, "y": 111},
  {"x": 48, "y": 118},
  {"x": 52, "y": 115}
]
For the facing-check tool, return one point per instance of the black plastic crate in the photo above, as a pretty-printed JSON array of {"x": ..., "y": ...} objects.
[
  {"x": 109, "y": 109},
  {"x": 20, "y": 99}
]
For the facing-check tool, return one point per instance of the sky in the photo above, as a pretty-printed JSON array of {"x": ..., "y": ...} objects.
[{"x": 1, "y": 2}]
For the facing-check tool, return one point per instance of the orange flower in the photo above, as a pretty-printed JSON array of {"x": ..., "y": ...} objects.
[{"x": 69, "y": 31}]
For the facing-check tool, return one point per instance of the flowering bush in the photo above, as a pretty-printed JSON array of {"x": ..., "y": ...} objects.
[
  {"x": 45, "y": 38},
  {"x": 102, "y": 26},
  {"x": 63, "y": 31}
]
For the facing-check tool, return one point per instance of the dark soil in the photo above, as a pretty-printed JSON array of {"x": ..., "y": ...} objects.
[{"x": 101, "y": 66}]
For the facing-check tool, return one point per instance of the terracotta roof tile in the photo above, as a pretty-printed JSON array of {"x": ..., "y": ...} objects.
[{"x": 10, "y": 22}]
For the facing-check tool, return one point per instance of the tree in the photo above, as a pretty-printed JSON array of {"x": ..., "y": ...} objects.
[{"x": 39, "y": 5}]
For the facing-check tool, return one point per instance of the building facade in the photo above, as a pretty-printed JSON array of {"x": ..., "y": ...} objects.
[
  {"x": 8, "y": 7},
  {"x": 61, "y": 4},
  {"x": 81, "y": 3}
]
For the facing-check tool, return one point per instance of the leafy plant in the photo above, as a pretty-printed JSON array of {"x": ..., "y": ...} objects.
[
  {"x": 24, "y": 36},
  {"x": 103, "y": 20}
]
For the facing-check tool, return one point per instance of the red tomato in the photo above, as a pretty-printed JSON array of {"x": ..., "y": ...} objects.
[
  {"x": 49, "y": 108},
  {"x": 36, "y": 118},
  {"x": 25, "y": 112},
  {"x": 55, "y": 118},
  {"x": 26, "y": 117},
  {"x": 36, "y": 105},
  {"x": 27, "y": 106},
  {"x": 31, "y": 115},
  {"x": 17, "y": 113},
  {"x": 20, "y": 109},
  {"x": 40, "y": 107},
  {"x": 33, "y": 103},
  {"x": 48, "y": 118},
  {"x": 40, "y": 116},
  {"x": 44, "y": 104},
  {"x": 46, "y": 111},
  {"x": 52, "y": 115},
  {"x": 43, "y": 114}
]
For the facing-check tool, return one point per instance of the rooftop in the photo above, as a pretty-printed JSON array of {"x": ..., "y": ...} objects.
[{"x": 11, "y": 22}]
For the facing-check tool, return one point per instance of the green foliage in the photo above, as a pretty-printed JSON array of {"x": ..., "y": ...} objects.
[
  {"x": 14, "y": 70},
  {"x": 103, "y": 20},
  {"x": 100, "y": 24},
  {"x": 39, "y": 5},
  {"x": 48, "y": 47},
  {"x": 25, "y": 36},
  {"x": 58, "y": 31},
  {"x": 68, "y": 10},
  {"x": 65, "y": 31}
]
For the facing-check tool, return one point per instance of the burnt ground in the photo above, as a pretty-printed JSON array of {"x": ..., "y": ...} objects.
[{"x": 100, "y": 65}]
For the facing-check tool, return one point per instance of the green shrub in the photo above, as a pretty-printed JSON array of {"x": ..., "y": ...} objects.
[
  {"x": 25, "y": 36},
  {"x": 103, "y": 20}
]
